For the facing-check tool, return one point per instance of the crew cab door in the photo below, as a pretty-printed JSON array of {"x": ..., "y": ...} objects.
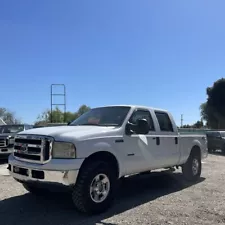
[
  {"x": 168, "y": 152},
  {"x": 140, "y": 149}
]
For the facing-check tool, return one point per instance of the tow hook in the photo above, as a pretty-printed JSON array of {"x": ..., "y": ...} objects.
[{"x": 172, "y": 169}]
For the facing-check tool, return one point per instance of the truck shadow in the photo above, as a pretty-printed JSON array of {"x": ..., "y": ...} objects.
[
  {"x": 3, "y": 160},
  {"x": 57, "y": 208}
]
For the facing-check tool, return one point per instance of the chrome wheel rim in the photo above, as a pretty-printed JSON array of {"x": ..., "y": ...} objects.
[
  {"x": 195, "y": 167},
  {"x": 100, "y": 187}
]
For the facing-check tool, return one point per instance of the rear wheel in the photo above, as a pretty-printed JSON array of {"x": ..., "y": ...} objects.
[
  {"x": 193, "y": 167},
  {"x": 95, "y": 188}
]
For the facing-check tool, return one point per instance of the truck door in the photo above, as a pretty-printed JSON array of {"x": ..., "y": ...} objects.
[
  {"x": 140, "y": 148},
  {"x": 169, "y": 147}
]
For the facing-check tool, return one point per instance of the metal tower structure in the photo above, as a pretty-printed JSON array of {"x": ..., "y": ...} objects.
[{"x": 59, "y": 94}]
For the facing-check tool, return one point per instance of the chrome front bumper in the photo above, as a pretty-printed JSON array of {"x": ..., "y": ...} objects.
[
  {"x": 4, "y": 151},
  {"x": 56, "y": 171}
]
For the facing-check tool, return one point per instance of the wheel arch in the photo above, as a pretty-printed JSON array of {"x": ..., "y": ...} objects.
[
  {"x": 105, "y": 156},
  {"x": 196, "y": 149}
]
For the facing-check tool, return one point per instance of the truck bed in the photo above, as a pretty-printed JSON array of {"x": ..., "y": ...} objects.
[{"x": 187, "y": 141}]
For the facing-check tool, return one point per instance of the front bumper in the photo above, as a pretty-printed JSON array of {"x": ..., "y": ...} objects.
[
  {"x": 57, "y": 171},
  {"x": 6, "y": 150}
]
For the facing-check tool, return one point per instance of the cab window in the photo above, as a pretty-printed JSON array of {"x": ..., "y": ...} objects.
[
  {"x": 164, "y": 121},
  {"x": 142, "y": 114}
]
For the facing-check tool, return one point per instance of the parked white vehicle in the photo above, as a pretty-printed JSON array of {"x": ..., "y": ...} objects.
[
  {"x": 102, "y": 146},
  {"x": 7, "y": 134}
]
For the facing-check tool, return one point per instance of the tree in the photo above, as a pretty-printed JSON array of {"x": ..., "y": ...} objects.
[
  {"x": 198, "y": 124},
  {"x": 213, "y": 110},
  {"x": 82, "y": 110},
  {"x": 57, "y": 116},
  {"x": 186, "y": 126},
  {"x": 8, "y": 116}
]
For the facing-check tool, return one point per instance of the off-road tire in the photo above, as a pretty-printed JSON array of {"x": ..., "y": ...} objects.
[
  {"x": 187, "y": 168},
  {"x": 81, "y": 192}
]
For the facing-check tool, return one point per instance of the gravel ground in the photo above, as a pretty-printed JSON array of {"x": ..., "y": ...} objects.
[{"x": 158, "y": 198}]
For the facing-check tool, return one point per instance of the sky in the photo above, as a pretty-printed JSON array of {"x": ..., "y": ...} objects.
[{"x": 162, "y": 54}]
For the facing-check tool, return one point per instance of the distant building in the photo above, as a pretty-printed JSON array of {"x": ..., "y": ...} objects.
[{"x": 2, "y": 122}]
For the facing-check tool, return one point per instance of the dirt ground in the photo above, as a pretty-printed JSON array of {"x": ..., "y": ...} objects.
[{"x": 158, "y": 198}]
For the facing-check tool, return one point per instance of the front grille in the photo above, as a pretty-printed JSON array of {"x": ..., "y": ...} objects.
[
  {"x": 3, "y": 142},
  {"x": 33, "y": 148},
  {"x": 26, "y": 156}
]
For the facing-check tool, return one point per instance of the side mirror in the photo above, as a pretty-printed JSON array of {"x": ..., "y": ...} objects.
[
  {"x": 129, "y": 128},
  {"x": 142, "y": 126}
]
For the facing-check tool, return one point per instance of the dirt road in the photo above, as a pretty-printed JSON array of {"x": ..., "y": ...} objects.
[{"x": 158, "y": 198}]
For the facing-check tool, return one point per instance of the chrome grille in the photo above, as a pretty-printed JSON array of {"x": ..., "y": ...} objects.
[
  {"x": 33, "y": 148},
  {"x": 3, "y": 142}
]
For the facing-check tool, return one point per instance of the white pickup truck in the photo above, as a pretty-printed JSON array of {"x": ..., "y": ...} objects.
[{"x": 103, "y": 145}]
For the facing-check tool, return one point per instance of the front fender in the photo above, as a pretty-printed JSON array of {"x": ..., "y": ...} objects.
[{"x": 89, "y": 148}]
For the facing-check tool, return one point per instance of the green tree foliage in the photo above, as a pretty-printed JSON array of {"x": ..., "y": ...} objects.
[
  {"x": 8, "y": 116},
  {"x": 213, "y": 110},
  {"x": 58, "y": 116},
  {"x": 198, "y": 124}
]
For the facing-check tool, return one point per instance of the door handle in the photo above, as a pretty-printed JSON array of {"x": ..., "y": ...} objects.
[
  {"x": 176, "y": 140},
  {"x": 157, "y": 140}
]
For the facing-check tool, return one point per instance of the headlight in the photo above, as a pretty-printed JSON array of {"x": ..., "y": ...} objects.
[{"x": 63, "y": 150}]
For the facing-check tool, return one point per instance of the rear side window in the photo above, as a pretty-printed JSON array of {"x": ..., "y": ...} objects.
[{"x": 164, "y": 121}]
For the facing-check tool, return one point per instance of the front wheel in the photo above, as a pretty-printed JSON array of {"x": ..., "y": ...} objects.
[
  {"x": 193, "y": 167},
  {"x": 95, "y": 188}
]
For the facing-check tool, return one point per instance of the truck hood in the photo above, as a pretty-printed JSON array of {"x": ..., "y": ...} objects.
[{"x": 71, "y": 132}]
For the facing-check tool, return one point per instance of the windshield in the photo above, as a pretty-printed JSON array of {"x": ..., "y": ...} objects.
[
  {"x": 104, "y": 116},
  {"x": 11, "y": 129}
]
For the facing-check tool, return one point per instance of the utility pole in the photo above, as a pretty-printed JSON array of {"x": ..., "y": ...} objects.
[{"x": 181, "y": 120}]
